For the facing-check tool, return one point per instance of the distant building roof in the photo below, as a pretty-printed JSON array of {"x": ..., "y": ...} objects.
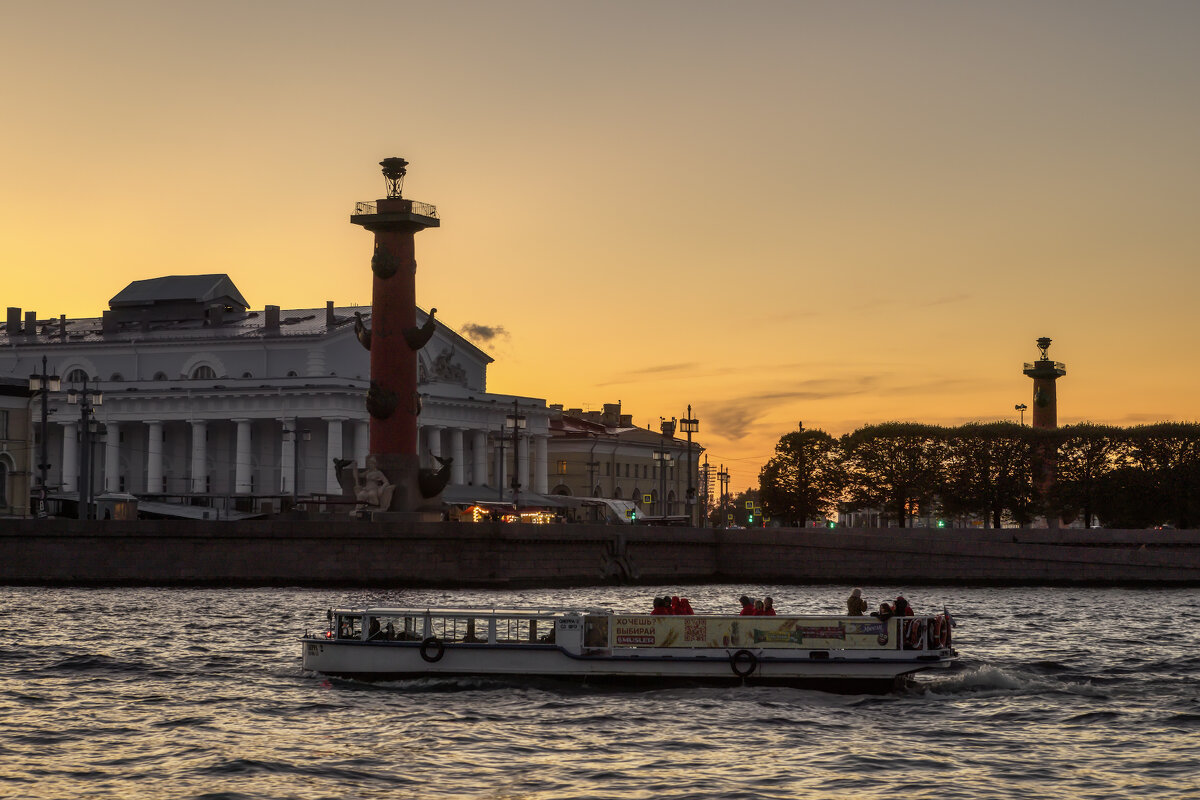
[{"x": 204, "y": 289}]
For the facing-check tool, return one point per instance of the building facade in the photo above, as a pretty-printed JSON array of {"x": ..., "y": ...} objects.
[
  {"x": 203, "y": 400},
  {"x": 17, "y": 448},
  {"x": 603, "y": 454}
]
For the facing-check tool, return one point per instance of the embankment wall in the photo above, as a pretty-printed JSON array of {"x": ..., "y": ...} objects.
[{"x": 397, "y": 554}]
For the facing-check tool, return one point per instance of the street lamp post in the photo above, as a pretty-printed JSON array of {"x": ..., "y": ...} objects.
[
  {"x": 87, "y": 399},
  {"x": 43, "y": 384},
  {"x": 723, "y": 479},
  {"x": 1021, "y": 407},
  {"x": 667, "y": 427},
  {"x": 516, "y": 421},
  {"x": 690, "y": 426}
]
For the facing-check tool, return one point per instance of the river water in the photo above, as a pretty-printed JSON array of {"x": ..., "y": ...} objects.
[{"x": 198, "y": 693}]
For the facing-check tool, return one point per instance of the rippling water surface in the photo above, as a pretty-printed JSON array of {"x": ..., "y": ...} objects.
[{"x": 198, "y": 693}]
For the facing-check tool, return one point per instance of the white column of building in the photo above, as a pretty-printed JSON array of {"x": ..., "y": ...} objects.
[
  {"x": 199, "y": 471},
  {"x": 241, "y": 462},
  {"x": 362, "y": 441},
  {"x": 287, "y": 456},
  {"x": 154, "y": 456},
  {"x": 333, "y": 449},
  {"x": 479, "y": 460},
  {"x": 456, "y": 452},
  {"x": 540, "y": 467},
  {"x": 70, "y": 457},
  {"x": 523, "y": 463},
  {"x": 112, "y": 457},
  {"x": 433, "y": 442}
]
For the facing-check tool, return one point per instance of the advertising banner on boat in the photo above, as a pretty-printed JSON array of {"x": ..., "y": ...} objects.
[{"x": 773, "y": 632}]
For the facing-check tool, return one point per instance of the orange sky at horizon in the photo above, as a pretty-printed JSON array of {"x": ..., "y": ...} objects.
[{"x": 842, "y": 213}]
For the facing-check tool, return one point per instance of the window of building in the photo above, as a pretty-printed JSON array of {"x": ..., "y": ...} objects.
[
  {"x": 561, "y": 467},
  {"x": 116, "y": 377},
  {"x": 77, "y": 375},
  {"x": 160, "y": 376},
  {"x": 203, "y": 373},
  {"x": 247, "y": 375},
  {"x": 3, "y": 424},
  {"x": 3, "y": 485},
  {"x": 626, "y": 469},
  {"x": 607, "y": 469}
]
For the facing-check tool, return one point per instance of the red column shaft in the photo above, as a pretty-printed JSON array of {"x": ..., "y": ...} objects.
[
  {"x": 1045, "y": 403},
  {"x": 393, "y": 363}
]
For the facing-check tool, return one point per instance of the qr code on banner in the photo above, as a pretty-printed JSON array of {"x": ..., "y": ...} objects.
[{"x": 695, "y": 630}]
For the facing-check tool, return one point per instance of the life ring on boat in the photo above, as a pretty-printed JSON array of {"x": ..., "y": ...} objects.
[
  {"x": 916, "y": 634},
  {"x": 939, "y": 634},
  {"x": 432, "y": 649},
  {"x": 743, "y": 663}
]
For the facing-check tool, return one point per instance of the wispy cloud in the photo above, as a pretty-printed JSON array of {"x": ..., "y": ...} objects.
[{"x": 483, "y": 334}]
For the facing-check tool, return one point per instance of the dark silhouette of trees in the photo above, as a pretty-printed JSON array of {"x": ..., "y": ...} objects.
[
  {"x": 1128, "y": 477},
  {"x": 804, "y": 479},
  {"x": 896, "y": 466},
  {"x": 1168, "y": 453},
  {"x": 989, "y": 471},
  {"x": 1086, "y": 457}
]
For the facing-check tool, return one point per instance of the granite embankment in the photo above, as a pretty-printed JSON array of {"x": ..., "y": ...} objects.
[{"x": 340, "y": 552}]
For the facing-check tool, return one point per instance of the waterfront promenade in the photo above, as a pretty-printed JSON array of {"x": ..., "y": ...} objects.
[{"x": 342, "y": 552}]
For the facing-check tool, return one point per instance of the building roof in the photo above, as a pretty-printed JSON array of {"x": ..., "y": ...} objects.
[{"x": 205, "y": 289}]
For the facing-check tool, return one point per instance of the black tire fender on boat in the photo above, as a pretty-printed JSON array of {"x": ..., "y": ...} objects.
[
  {"x": 432, "y": 649},
  {"x": 743, "y": 663}
]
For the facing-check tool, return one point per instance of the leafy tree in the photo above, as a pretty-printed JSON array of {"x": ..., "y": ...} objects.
[
  {"x": 896, "y": 466},
  {"x": 804, "y": 479},
  {"x": 988, "y": 471},
  {"x": 1085, "y": 456},
  {"x": 1169, "y": 455}
]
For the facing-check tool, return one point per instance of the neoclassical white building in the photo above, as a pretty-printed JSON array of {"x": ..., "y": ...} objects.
[{"x": 206, "y": 401}]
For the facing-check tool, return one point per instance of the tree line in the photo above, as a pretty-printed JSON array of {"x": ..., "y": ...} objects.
[{"x": 1135, "y": 477}]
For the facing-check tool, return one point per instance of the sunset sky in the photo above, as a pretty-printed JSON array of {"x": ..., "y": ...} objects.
[{"x": 840, "y": 212}]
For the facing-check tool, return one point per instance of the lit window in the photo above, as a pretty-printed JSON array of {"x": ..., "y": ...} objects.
[{"x": 562, "y": 467}]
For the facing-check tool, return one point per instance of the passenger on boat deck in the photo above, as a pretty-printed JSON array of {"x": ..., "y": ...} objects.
[
  {"x": 675, "y": 607},
  {"x": 903, "y": 609},
  {"x": 855, "y": 605},
  {"x": 660, "y": 609},
  {"x": 747, "y": 606},
  {"x": 390, "y": 630},
  {"x": 373, "y": 631},
  {"x": 884, "y": 613},
  {"x": 768, "y": 607},
  {"x": 685, "y": 607},
  {"x": 759, "y": 608}
]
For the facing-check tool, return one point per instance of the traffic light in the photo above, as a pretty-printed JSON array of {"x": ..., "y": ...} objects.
[
  {"x": 941, "y": 523},
  {"x": 632, "y": 514},
  {"x": 750, "y": 518},
  {"x": 831, "y": 524}
]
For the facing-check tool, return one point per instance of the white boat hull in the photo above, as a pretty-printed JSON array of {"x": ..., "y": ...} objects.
[{"x": 400, "y": 660}]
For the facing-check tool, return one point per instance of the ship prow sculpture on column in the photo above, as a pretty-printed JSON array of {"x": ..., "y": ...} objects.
[{"x": 394, "y": 485}]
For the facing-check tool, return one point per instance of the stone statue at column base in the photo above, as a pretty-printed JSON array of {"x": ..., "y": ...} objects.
[{"x": 372, "y": 489}]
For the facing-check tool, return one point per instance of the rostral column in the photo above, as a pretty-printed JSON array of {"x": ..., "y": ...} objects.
[{"x": 394, "y": 338}]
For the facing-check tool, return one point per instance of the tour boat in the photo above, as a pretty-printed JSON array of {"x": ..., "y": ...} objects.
[{"x": 600, "y": 645}]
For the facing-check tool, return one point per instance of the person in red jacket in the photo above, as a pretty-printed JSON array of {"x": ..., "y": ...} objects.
[
  {"x": 685, "y": 607},
  {"x": 768, "y": 607},
  {"x": 747, "y": 606},
  {"x": 662, "y": 607},
  {"x": 903, "y": 609}
]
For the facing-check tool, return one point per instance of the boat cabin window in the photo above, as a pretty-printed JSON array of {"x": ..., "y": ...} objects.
[{"x": 349, "y": 626}]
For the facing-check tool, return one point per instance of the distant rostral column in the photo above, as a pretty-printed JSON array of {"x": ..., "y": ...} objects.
[
  {"x": 394, "y": 339},
  {"x": 1045, "y": 373}
]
